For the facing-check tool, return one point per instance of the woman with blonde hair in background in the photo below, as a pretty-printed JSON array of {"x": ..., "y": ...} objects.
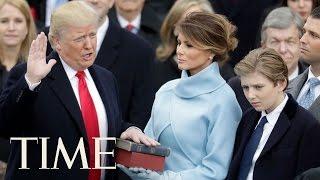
[{"x": 17, "y": 30}]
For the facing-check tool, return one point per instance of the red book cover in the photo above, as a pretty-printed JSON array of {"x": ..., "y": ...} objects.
[{"x": 136, "y": 159}]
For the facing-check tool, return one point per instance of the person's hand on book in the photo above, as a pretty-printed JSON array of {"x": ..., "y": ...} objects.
[{"x": 137, "y": 136}]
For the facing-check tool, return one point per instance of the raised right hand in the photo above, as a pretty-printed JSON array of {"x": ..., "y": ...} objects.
[{"x": 37, "y": 67}]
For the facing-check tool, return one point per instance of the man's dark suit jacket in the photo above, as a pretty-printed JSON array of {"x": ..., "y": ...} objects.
[
  {"x": 149, "y": 26},
  {"x": 161, "y": 7},
  {"x": 130, "y": 59},
  {"x": 247, "y": 16},
  {"x": 311, "y": 174},
  {"x": 295, "y": 87},
  {"x": 292, "y": 147},
  {"x": 52, "y": 110}
]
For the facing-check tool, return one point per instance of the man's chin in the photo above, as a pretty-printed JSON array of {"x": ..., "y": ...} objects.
[{"x": 86, "y": 64}]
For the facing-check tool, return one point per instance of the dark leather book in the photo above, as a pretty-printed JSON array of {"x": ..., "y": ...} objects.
[
  {"x": 141, "y": 148},
  {"x": 136, "y": 159}
]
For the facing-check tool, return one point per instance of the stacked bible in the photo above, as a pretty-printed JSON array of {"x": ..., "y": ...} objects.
[{"x": 132, "y": 154}]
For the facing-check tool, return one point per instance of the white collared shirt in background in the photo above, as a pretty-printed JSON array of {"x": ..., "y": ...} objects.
[
  {"x": 136, "y": 23},
  {"x": 101, "y": 33}
]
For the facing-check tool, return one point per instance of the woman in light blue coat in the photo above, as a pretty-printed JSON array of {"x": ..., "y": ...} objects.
[{"x": 197, "y": 115}]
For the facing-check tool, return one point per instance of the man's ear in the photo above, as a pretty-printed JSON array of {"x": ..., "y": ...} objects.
[{"x": 57, "y": 44}]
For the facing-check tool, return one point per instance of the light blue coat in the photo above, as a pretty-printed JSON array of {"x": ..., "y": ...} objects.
[{"x": 197, "y": 117}]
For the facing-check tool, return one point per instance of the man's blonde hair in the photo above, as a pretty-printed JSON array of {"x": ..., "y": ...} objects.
[{"x": 74, "y": 13}]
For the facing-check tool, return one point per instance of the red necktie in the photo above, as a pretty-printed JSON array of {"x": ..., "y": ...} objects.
[
  {"x": 129, "y": 27},
  {"x": 90, "y": 118}
]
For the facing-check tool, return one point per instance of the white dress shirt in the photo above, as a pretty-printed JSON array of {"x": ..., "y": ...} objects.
[
  {"x": 306, "y": 86},
  {"x": 97, "y": 101},
  {"x": 136, "y": 23},
  {"x": 272, "y": 118}
]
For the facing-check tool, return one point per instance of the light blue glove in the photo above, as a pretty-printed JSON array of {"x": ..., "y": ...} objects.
[{"x": 140, "y": 173}]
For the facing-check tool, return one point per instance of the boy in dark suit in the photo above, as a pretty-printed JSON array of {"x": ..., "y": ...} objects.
[{"x": 276, "y": 139}]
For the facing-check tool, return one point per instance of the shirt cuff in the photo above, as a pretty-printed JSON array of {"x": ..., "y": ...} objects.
[{"x": 31, "y": 86}]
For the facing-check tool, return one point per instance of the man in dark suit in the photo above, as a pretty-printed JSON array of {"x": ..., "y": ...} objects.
[
  {"x": 291, "y": 149},
  {"x": 138, "y": 19},
  {"x": 130, "y": 59},
  {"x": 64, "y": 98},
  {"x": 306, "y": 87}
]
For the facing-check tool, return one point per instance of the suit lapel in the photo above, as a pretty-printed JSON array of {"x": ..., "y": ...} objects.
[
  {"x": 108, "y": 52},
  {"x": 113, "y": 16},
  {"x": 278, "y": 131},
  {"x": 249, "y": 127},
  {"x": 105, "y": 93},
  {"x": 61, "y": 86},
  {"x": 296, "y": 85},
  {"x": 244, "y": 133},
  {"x": 247, "y": 130}
]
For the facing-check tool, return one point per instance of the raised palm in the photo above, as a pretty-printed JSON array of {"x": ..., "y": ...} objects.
[{"x": 37, "y": 67}]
